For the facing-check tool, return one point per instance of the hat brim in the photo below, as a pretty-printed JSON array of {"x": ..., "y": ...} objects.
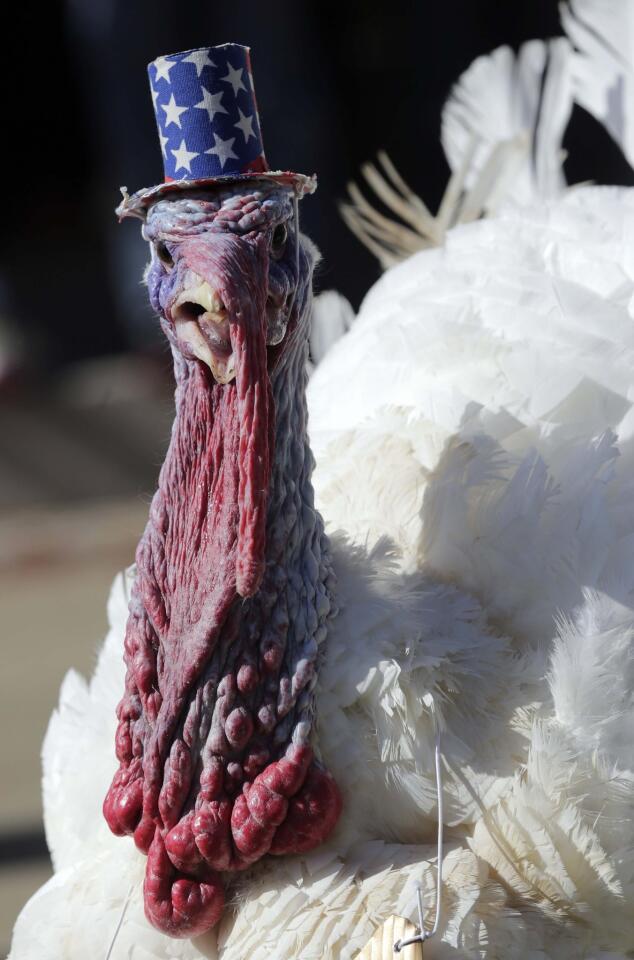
[{"x": 138, "y": 204}]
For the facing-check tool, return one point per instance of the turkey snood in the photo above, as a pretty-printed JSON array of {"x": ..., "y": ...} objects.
[{"x": 234, "y": 588}]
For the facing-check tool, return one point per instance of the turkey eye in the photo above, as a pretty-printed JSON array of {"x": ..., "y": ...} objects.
[
  {"x": 278, "y": 240},
  {"x": 163, "y": 254}
]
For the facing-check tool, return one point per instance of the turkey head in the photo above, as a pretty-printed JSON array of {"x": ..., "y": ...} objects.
[{"x": 234, "y": 588}]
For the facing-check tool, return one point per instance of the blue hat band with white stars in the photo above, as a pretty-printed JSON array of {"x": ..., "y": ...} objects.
[{"x": 206, "y": 113}]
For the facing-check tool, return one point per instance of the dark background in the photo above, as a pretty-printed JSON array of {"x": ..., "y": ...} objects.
[{"x": 336, "y": 81}]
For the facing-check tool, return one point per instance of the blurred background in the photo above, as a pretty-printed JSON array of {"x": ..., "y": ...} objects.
[{"x": 85, "y": 382}]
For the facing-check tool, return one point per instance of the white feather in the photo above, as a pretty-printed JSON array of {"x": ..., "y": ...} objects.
[
  {"x": 507, "y": 98},
  {"x": 592, "y": 676},
  {"x": 502, "y": 129},
  {"x": 332, "y": 317},
  {"x": 602, "y": 67},
  {"x": 84, "y": 724}
]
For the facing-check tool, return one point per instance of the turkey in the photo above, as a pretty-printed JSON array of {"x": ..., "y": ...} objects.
[{"x": 473, "y": 442}]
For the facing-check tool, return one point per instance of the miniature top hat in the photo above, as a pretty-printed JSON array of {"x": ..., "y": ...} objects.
[{"x": 208, "y": 125}]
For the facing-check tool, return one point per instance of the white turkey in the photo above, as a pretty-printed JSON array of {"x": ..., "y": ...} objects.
[{"x": 473, "y": 433}]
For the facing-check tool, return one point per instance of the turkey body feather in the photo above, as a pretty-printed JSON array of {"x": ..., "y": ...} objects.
[{"x": 475, "y": 473}]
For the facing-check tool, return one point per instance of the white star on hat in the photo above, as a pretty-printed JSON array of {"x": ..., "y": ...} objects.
[
  {"x": 211, "y": 102},
  {"x": 200, "y": 59},
  {"x": 163, "y": 143},
  {"x": 234, "y": 77},
  {"x": 163, "y": 67},
  {"x": 183, "y": 157},
  {"x": 246, "y": 125},
  {"x": 172, "y": 112},
  {"x": 154, "y": 94},
  {"x": 222, "y": 149}
]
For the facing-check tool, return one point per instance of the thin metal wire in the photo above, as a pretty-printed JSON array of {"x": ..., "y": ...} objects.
[
  {"x": 428, "y": 934},
  {"x": 120, "y": 923},
  {"x": 296, "y": 212}
]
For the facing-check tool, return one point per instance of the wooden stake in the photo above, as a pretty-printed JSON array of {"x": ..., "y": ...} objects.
[{"x": 381, "y": 946}]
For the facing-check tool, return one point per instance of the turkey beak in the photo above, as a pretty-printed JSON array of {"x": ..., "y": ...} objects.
[{"x": 201, "y": 322}]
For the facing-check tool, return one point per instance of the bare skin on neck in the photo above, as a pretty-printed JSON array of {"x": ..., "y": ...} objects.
[{"x": 234, "y": 588}]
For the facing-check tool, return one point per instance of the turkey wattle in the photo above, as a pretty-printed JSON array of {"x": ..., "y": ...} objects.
[{"x": 234, "y": 583}]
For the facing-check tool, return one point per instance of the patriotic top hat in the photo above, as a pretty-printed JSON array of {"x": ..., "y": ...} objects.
[{"x": 208, "y": 125}]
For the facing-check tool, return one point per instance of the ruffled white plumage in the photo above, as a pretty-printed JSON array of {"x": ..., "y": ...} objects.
[
  {"x": 82, "y": 726},
  {"x": 507, "y": 104},
  {"x": 502, "y": 130},
  {"x": 602, "y": 67}
]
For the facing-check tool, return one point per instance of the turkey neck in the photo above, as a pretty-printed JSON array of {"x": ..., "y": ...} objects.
[
  {"x": 234, "y": 588},
  {"x": 235, "y": 676}
]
